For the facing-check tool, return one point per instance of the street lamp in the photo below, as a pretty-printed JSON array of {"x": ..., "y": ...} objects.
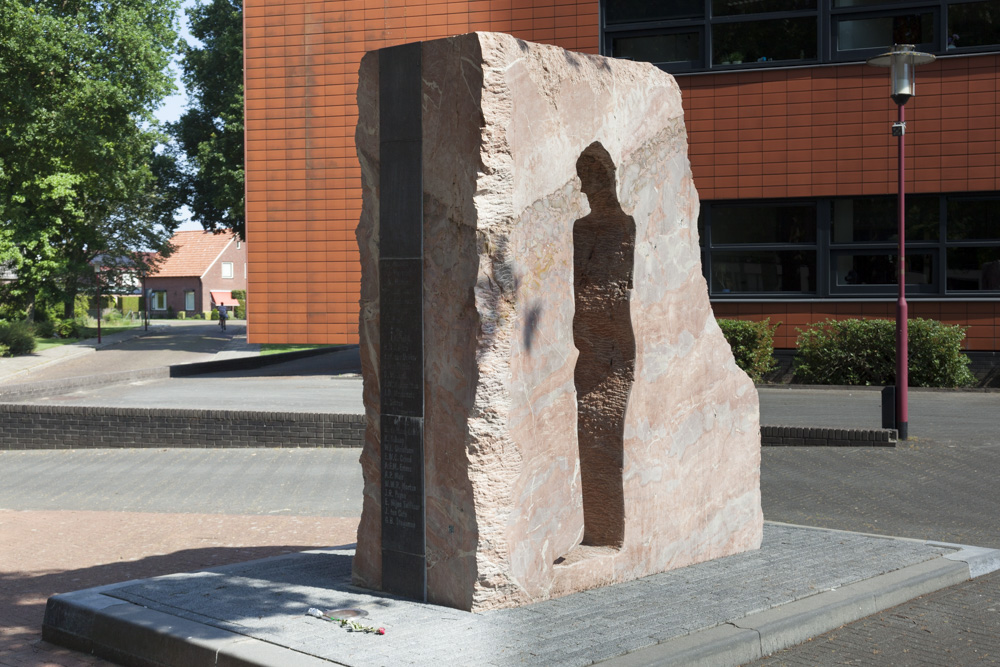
[
  {"x": 901, "y": 61},
  {"x": 97, "y": 273}
]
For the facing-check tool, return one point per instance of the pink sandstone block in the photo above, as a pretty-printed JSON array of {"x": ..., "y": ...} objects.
[{"x": 585, "y": 422}]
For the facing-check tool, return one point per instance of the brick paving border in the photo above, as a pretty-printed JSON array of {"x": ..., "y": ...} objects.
[{"x": 77, "y": 427}]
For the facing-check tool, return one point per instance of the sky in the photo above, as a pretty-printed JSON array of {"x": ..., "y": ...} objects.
[{"x": 174, "y": 106}]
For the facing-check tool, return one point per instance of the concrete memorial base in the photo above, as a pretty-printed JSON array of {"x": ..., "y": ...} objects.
[{"x": 550, "y": 404}]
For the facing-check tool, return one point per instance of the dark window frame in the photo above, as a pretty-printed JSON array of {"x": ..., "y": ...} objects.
[
  {"x": 827, "y": 251},
  {"x": 827, "y": 18}
]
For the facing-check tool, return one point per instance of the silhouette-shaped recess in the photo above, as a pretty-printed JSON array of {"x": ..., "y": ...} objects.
[{"x": 603, "y": 261}]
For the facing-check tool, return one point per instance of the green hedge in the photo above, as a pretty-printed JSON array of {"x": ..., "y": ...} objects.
[
  {"x": 863, "y": 352},
  {"x": 753, "y": 345},
  {"x": 16, "y": 338},
  {"x": 240, "y": 312},
  {"x": 131, "y": 303}
]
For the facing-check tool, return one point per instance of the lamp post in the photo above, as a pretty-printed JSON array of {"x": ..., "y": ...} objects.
[
  {"x": 901, "y": 61},
  {"x": 97, "y": 273}
]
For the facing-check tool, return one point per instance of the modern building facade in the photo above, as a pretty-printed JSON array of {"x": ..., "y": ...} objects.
[{"x": 789, "y": 135}]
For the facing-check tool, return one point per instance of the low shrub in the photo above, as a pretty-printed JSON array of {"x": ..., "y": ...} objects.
[
  {"x": 47, "y": 328},
  {"x": 863, "y": 352},
  {"x": 113, "y": 316},
  {"x": 74, "y": 328},
  {"x": 17, "y": 337},
  {"x": 181, "y": 314},
  {"x": 752, "y": 344}
]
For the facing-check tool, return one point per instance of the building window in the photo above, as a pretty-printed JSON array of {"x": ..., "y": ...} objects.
[
  {"x": 973, "y": 244},
  {"x": 189, "y": 299},
  {"x": 847, "y": 247},
  {"x": 692, "y": 35},
  {"x": 760, "y": 248},
  {"x": 973, "y": 24},
  {"x": 159, "y": 300},
  {"x": 227, "y": 269}
]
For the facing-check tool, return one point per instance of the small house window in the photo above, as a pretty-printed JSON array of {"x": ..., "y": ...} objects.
[
  {"x": 189, "y": 300},
  {"x": 159, "y": 300},
  {"x": 227, "y": 269}
]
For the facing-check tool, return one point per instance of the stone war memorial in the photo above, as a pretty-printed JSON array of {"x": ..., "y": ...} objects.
[{"x": 551, "y": 405}]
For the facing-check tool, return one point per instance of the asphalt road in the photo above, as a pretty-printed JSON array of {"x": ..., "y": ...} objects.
[{"x": 172, "y": 342}]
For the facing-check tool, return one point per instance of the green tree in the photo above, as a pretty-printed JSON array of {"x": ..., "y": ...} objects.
[
  {"x": 210, "y": 132},
  {"x": 81, "y": 79}
]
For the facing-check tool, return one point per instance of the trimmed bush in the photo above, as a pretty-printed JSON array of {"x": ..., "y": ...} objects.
[
  {"x": 131, "y": 303},
  {"x": 240, "y": 311},
  {"x": 17, "y": 337},
  {"x": 753, "y": 345},
  {"x": 863, "y": 352}
]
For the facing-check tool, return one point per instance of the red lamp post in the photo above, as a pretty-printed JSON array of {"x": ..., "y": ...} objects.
[{"x": 901, "y": 61}]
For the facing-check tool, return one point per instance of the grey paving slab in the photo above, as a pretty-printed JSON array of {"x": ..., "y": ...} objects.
[
  {"x": 795, "y": 570},
  {"x": 293, "y": 482}
]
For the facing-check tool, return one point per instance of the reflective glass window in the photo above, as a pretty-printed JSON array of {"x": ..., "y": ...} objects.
[
  {"x": 763, "y": 224},
  {"x": 630, "y": 11},
  {"x": 683, "y": 47},
  {"x": 973, "y": 219},
  {"x": 733, "y": 7},
  {"x": 875, "y": 219},
  {"x": 735, "y": 271},
  {"x": 974, "y": 269},
  {"x": 764, "y": 41},
  {"x": 884, "y": 31},
  {"x": 879, "y": 268},
  {"x": 973, "y": 24},
  {"x": 865, "y": 3}
]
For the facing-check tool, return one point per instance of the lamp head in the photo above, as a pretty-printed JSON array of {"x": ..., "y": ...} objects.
[{"x": 902, "y": 61}]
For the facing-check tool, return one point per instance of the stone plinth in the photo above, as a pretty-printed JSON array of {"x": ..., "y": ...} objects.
[{"x": 551, "y": 406}]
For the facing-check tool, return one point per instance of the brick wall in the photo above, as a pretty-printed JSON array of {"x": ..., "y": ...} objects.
[
  {"x": 824, "y": 131},
  {"x": 63, "y": 427},
  {"x": 175, "y": 289},
  {"x": 303, "y": 179},
  {"x": 213, "y": 280}
]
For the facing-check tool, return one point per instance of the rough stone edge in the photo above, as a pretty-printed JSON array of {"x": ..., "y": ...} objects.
[{"x": 816, "y": 436}]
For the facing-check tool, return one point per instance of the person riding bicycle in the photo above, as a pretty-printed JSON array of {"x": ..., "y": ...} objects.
[{"x": 223, "y": 316}]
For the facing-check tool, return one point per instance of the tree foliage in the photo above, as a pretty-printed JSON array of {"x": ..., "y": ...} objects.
[
  {"x": 79, "y": 177},
  {"x": 210, "y": 132}
]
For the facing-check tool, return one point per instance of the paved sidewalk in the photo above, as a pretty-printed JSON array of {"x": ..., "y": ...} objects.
[
  {"x": 166, "y": 343},
  {"x": 14, "y": 369}
]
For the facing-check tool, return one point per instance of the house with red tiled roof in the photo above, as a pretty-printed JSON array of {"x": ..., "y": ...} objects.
[{"x": 201, "y": 272}]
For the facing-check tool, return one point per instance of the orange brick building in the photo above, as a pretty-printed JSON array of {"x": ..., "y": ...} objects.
[{"x": 789, "y": 145}]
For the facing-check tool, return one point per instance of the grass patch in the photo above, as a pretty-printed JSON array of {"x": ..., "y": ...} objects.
[
  {"x": 274, "y": 348},
  {"x": 88, "y": 332},
  {"x": 46, "y": 343}
]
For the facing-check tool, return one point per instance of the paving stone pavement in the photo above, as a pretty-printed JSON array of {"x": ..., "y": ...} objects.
[{"x": 922, "y": 489}]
